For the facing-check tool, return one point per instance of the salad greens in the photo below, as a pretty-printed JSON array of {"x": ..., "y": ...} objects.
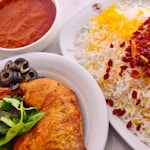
[{"x": 15, "y": 118}]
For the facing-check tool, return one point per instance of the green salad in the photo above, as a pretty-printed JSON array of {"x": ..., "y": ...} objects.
[{"x": 15, "y": 118}]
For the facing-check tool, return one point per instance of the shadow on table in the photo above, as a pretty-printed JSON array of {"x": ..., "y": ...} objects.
[{"x": 115, "y": 141}]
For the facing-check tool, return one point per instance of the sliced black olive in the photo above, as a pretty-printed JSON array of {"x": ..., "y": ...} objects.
[
  {"x": 24, "y": 68},
  {"x": 5, "y": 77},
  {"x": 32, "y": 74},
  {"x": 19, "y": 60},
  {"x": 20, "y": 77},
  {"x": 16, "y": 72},
  {"x": 9, "y": 65},
  {"x": 17, "y": 77},
  {"x": 14, "y": 86},
  {"x": 22, "y": 65}
]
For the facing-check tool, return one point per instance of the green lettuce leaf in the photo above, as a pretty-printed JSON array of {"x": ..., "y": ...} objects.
[
  {"x": 31, "y": 122},
  {"x": 12, "y": 124},
  {"x": 13, "y": 131}
]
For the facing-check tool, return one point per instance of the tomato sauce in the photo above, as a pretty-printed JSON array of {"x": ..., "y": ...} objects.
[{"x": 23, "y": 22}]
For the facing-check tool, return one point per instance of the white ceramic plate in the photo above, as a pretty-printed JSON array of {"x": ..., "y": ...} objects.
[
  {"x": 91, "y": 99},
  {"x": 67, "y": 35}
]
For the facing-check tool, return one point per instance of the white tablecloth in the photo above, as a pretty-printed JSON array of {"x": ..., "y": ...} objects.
[{"x": 68, "y": 8}]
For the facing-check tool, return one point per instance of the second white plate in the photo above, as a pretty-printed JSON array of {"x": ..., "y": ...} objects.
[{"x": 67, "y": 36}]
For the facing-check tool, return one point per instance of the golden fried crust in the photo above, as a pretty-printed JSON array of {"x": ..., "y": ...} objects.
[{"x": 61, "y": 128}]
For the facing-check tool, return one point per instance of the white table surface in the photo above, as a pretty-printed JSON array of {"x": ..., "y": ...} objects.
[{"x": 68, "y": 8}]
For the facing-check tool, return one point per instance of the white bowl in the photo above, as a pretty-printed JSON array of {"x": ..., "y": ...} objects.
[
  {"x": 90, "y": 98},
  {"x": 38, "y": 45}
]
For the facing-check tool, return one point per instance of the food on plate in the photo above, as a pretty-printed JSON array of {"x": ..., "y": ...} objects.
[
  {"x": 61, "y": 127},
  {"x": 114, "y": 48},
  {"x": 24, "y": 21},
  {"x": 15, "y": 72},
  {"x": 52, "y": 106},
  {"x": 138, "y": 52},
  {"x": 16, "y": 119}
]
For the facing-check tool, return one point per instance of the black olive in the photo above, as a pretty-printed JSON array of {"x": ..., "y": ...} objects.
[
  {"x": 14, "y": 86},
  {"x": 20, "y": 77},
  {"x": 22, "y": 65},
  {"x": 5, "y": 77},
  {"x": 16, "y": 72},
  {"x": 9, "y": 65},
  {"x": 24, "y": 68},
  {"x": 32, "y": 74},
  {"x": 17, "y": 77},
  {"x": 19, "y": 60}
]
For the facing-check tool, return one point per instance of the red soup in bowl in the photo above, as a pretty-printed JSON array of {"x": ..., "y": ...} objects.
[{"x": 24, "y": 21}]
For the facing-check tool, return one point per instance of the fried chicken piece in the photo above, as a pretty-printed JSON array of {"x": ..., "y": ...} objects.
[{"x": 61, "y": 127}]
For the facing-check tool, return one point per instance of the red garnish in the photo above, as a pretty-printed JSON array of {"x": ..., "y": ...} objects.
[
  {"x": 122, "y": 44},
  {"x": 129, "y": 124},
  {"x": 138, "y": 127},
  {"x": 123, "y": 67},
  {"x": 134, "y": 94},
  {"x": 128, "y": 49},
  {"x": 118, "y": 112},
  {"x": 138, "y": 102},
  {"x": 135, "y": 74},
  {"x": 106, "y": 76},
  {"x": 110, "y": 62},
  {"x": 137, "y": 54},
  {"x": 126, "y": 59},
  {"x": 109, "y": 101},
  {"x": 120, "y": 73},
  {"x": 107, "y": 69},
  {"x": 111, "y": 45}
]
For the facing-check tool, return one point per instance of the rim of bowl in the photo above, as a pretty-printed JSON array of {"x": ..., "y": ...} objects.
[{"x": 39, "y": 40}]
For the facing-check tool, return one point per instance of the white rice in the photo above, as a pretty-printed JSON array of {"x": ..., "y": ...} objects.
[{"x": 118, "y": 88}]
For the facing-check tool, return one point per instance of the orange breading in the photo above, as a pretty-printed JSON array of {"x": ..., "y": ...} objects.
[{"x": 61, "y": 127}]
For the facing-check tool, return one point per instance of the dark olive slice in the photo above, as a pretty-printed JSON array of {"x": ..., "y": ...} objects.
[
  {"x": 16, "y": 72},
  {"x": 32, "y": 74},
  {"x": 20, "y": 77},
  {"x": 5, "y": 77},
  {"x": 17, "y": 77},
  {"x": 19, "y": 60},
  {"x": 9, "y": 65},
  {"x": 14, "y": 86},
  {"x": 22, "y": 65}
]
